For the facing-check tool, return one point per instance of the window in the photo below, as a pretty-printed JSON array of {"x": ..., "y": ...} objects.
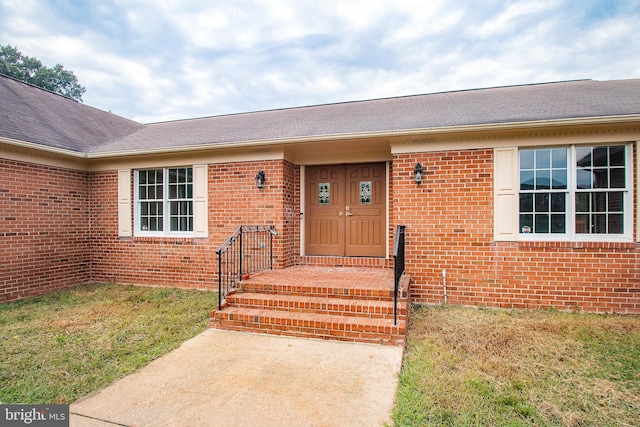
[
  {"x": 164, "y": 201},
  {"x": 577, "y": 192}
]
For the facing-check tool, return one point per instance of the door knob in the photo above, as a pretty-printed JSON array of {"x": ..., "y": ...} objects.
[{"x": 340, "y": 214}]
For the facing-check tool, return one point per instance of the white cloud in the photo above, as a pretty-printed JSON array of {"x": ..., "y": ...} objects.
[{"x": 150, "y": 60}]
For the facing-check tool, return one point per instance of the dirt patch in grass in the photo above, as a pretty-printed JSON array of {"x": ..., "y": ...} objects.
[
  {"x": 64, "y": 345},
  {"x": 466, "y": 366}
]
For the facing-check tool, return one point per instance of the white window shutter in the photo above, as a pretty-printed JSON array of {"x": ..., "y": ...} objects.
[
  {"x": 200, "y": 201},
  {"x": 124, "y": 203},
  {"x": 505, "y": 190}
]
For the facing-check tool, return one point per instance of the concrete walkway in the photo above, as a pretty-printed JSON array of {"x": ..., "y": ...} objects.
[{"x": 222, "y": 378}]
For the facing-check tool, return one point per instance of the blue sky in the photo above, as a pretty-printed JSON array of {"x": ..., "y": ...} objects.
[{"x": 152, "y": 60}]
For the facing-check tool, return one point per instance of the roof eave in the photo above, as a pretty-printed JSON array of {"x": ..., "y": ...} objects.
[
  {"x": 41, "y": 147},
  {"x": 602, "y": 120}
]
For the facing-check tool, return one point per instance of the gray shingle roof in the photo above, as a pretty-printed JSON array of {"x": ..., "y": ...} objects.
[
  {"x": 513, "y": 104},
  {"x": 52, "y": 120},
  {"x": 31, "y": 114}
]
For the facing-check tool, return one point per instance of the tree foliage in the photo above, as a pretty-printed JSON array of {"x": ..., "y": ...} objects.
[{"x": 56, "y": 79}]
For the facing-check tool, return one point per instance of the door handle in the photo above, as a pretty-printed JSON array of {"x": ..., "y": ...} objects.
[
  {"x": 339, "y": 213},
  {"x": 348, "y": 214}
]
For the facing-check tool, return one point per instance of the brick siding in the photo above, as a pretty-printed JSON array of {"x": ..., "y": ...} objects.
[
  {"x": 44, "y": 229},
  {"x": 234, "y": 200},
  {"x": 60, "y": 228},
  {"x": 449, "y": 221}
]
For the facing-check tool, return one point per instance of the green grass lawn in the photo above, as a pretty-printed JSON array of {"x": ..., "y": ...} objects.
[
  {"x": 64, "y": 345},
  {"x": 462, "y": 366},
  {"x": 486, "y": 367}
]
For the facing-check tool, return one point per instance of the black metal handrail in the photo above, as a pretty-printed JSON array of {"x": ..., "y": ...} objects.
[
  {"x": 398, "y": 267},
  {"x": 247, "y": 250}
]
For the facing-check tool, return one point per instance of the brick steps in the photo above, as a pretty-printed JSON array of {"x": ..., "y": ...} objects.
[
  {"x": 342, "y": 291},
  {"x": 318, "y": 305},
  {"x": 324, "y": 326},
  {"x": 346, "y": 304}
]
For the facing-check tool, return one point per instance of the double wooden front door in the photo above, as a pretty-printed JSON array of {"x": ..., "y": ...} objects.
[{"x": 345, "y": 210}]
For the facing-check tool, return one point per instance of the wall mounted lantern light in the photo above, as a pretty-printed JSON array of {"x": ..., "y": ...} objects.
[
  {"x": 417, "y": 172},
  {"x": 260, "y": 178}
]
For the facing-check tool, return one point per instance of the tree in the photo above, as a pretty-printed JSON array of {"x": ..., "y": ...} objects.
[{"x": 56, "y": 79}]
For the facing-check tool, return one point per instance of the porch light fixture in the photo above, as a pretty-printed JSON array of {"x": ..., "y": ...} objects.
[
  {"x": 260, "y": 178},
  {"x": 417, "y": 172}
]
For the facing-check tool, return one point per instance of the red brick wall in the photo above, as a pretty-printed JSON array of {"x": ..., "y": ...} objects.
[
  {"x": 449, "y": 221},
  {"x": 44, "y": 229},
  {"x": 234, "y": 200},
  {"x": 157, "y": 261}
]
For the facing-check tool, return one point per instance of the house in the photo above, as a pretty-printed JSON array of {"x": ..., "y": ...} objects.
[{"x": 529, "y": 196}]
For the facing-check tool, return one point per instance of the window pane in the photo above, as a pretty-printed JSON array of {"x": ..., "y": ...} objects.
[
  {"x": 174, "y": 224},
  {"x": 582, "y": 224},
  {"x": 583, "y": 156},
  {"x": 542, "y": 223},
  {"x": 616, "y": 156},
  {"x": 599, "y": 223},
  {"x": 558, "y": 202},
  {"x": 365, "y": 192},
  {"x": 601, "y": 156},
  {"x": 526, "y": 202},
  {"x": 559, "y": 179},
  {"x": 559, "y": 158},
  {"x": 600, "y": 178},
  {"x": 542, "y": 202},
  {"x": 142, "y": 193},
  {"x": 526, "y": 159},
  {"x": 543, "y": 159},
  {"x": 599, "y": 202},
  {"x": 617, "y": 178},
  {"x": 526, "y": 180},
  {"x": 189, "y": 191},
  {"x": 324, "y": 193},
  {"x": 584, "y": 178},
  {"x": 543, "y": 179},
  {"x": 615, "y": 224},
  {"x": 558, "y": 223},
  {"x": 173, "y": 191},
  {"x": 142, "y": 177},
  {"x": 582, "y": 202},
  {"x": 526, "y": 223},
  {"x": 615, "y": 202}
]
